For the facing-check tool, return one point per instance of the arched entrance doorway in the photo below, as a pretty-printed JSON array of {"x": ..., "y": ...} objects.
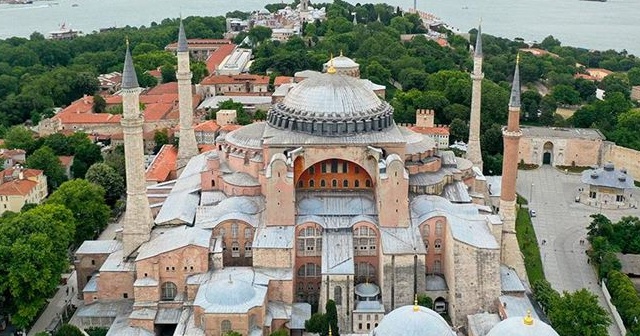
[{"x": 547, "y": 155}]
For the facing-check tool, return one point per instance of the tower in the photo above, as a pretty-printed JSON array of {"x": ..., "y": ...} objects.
[
  {"x": 137, "y": 218},
  {"x": 511, "y": 255},
  {"x": 187, "y": 146},
  {"x": 474, "y": 152}
]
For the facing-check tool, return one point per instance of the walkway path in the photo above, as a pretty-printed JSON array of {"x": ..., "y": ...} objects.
[{"x": 562, "y": 223}]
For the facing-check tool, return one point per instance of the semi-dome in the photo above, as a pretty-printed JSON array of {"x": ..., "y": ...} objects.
[
  {"x": 413, "y": 321},
  {"x": 331, "y": 105},
  {"x": 522, "y": 326},
  {"x": 229, "y": 292},
  {"x": 249, "y": 136},
  {"x": 367, "y": 290}
]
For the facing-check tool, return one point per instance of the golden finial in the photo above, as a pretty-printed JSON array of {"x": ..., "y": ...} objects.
[
  {"x": 415, "y": 303},
  {"x": 330, "y": 333},
  {"x": 331, "y": 69},
  {"x": 126, "y": 40},
  {"x": 518, "y": 58},
  {"x": 340, "y": 52},
  {"x": 528, "y": 320}
]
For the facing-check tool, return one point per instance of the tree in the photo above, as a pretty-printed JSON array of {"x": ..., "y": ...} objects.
[
  {"x": 259, "y": 34},
  {"x": 161, "y": 138},
  {"x": 85, "y": 152},
  {"x": 634, "y": 76},
  {"x": 168, "y": 72},
  {"x": 242, "y": 117},
  {"x": 280, "y": 332},
  {"x": 19, "y": 137},
  {"x": 579, "y": 313},
  {"x": 86, "y": 202},
  {"x": 233, "y": 333},
  {"x": 199, "y": 71},
  {"x": 565, "y": 94},
  {"x": 69, "y": 330},
  {"x": 545, "y": 294},
  {"x": 99, "y": 104},
  {"x": 332, "y": 316},
  {"x": 105, "y": 176},
  {"x": 425, "y": 301},
  {"x": 458, "y": 131},
  {"x": 115, "y": 159},
  {"x": 46, "y": 160}
]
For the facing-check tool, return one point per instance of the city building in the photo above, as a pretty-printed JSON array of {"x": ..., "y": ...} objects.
[
  {"x": 559, "y": 146},
  {"x": 19, "y": 186},
  {"x": 607, "y": 188},
  {"x": 12, "y": 157},
  {"x": 218, "y": 85}
]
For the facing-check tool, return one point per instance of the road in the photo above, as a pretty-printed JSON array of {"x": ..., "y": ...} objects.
[
  {"x": 65, "y": 294},
  {"x": 562, "y": 223}
]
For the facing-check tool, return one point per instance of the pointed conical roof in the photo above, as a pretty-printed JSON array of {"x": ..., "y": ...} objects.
[
  {"x": 182, "y": 39},
  {"x": 129, "y": 78},
  {"x": 478, "y": 49},
  {"x": 514, "y": 101}
]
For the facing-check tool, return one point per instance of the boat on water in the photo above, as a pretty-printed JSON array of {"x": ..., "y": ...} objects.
[
  {"x": 595, "y": 0},
  {"x": 75, "y": 5},
  {"x": 64, "y": 33},
  {"x": 20, "y": 2}
]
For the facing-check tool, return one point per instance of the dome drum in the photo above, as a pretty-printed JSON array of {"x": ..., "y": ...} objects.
[{"x": 330, "y": 127}]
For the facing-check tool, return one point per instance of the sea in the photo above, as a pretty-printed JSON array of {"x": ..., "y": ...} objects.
[{"x": 588, "y": 24}]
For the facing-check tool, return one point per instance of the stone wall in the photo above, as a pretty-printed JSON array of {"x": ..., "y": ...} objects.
[
  {"x": 622, "y": 157},
  {"x": 398, "y": 280}
]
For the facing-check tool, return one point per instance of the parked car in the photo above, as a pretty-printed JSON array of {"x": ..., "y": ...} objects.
[{"x": 532, "y": 213}]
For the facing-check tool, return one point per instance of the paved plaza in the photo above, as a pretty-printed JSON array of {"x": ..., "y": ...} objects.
[{"x": 561, "y": 224}]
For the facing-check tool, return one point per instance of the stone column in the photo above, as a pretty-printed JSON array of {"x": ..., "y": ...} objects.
[
  {"x": 474, "y": 152},
  {"x": 187, "y": 146}
]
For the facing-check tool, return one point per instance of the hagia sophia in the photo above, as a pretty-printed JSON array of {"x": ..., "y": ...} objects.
[{"x": 328, "y": 199}]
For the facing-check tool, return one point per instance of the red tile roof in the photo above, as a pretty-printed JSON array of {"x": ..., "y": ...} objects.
[
  {"x": 217, "y": 56},
  {"x": 234, "y": 79},
  {"x": 26, "y": 172},
  {"x": 430, "y": 130},
  {"x": 17, "y": 187},
  {"x": 154, "y": 112},
  {"x": 282, "y": 80},
  {"x": 207, "y": 126},
  {"x": 171, "y": 87},
  {"x": 164, "y": 164},
  {"x": 201, "y": 43},
  {"x": 65, "y": 160}
]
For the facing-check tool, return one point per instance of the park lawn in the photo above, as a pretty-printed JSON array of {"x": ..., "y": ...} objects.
[{"x": 528, "y": 244}]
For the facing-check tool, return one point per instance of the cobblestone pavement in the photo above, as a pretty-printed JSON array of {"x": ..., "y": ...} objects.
[{"x": 561, "y": 224}]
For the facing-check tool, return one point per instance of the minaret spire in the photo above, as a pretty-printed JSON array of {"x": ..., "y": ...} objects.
[
  {"x": 474, "y": 151},
  {"x": 511, "y": 135},
  {"x": 187, "y": 146},
  {"x": 137, "y": 219}
]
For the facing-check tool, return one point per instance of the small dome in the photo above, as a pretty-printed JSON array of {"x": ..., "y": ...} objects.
[
  {"x": 342, "y": 62},
  {"x": 229, "y": 292},
  {"x": 331, "y": 104},
  {"x": 367, "y": 290},
  {"x": 522, "y": 326},
  {"x": 413, "y": 321}
]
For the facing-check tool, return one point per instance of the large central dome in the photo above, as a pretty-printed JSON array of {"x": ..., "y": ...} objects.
[{"x": 331, "y": 105}]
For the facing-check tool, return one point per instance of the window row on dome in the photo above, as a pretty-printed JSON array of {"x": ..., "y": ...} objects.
[{"x": 331, "y": 128}]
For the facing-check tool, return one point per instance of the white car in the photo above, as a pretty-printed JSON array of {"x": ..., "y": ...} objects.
[{"x": 532, "y": 213}]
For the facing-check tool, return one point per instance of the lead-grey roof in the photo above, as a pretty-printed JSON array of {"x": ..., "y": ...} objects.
[
  {"x": 115, "y": 263},
  {"x": 249, "y": 136},
  {"x": 174, "y": 239},
  {"x": 92, "y": 285},
  {"x": 300, "y": 313},
  {"x": 517, "y": 306},
  {"x": 241, "y": 179},
  {"x": 427, "y": 179},
  {"x": 457, "y": 192},
  {"x": 561, "y": 133},
  {"x": 335, "y": 204},
  {"x": 409, "y": 321},
  {"x": 510, "y": 280},
  {"x": 401, "y": 241},
  {"x": 275, "y": 137},
  {"x": 342, "y": 62},
  {"x": 480, "y": 324},
  {"x": 494, "y": 184},
  {"x": 369, "y": 307},
  {"x": 168, "y": 316},
  {"x": 515, "y": 326},
  {"x": 187, "y": 325},
  {"x": 416, "y": 142},
  {"x": 514, "y": 100},
  {"x": 274, "y": 237},
  {"x": 243, "y": 208},
  {"x": 99, "y": 247},
  {"x": 180, "y": 206},
  {"x": 119, "y": 308},
  {"x": 120, "y": 327},
  {"x": 607, "y": 176},
  {"x": 337, "y": 253},
  {"x": 436, "y": 282},
  {"x": 182, "y": 39},
  {"x": 129, "y": 77},
  {"x": 465, "y": 223},
  {"x": 478, "y": 49}
]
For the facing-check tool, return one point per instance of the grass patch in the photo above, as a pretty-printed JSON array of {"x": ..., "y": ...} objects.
[
  {"x": 573, "y": 169},
  {"x": 528, "y": 243},
  {"x": 636, "y": 183},
  {"x": 521, "y": 200},
  {"x": 527, "y": 166}
]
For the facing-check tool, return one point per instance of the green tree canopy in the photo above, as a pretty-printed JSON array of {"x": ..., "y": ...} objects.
[
  {"x": 46, "y": 160},
  {"x": 19, "y": 137},
  {"x": 105, "y": 176},
  {"x": 579, "y": 313},
  {"x": 69, "y": 330},
  {"x": 86, "y": 202}
]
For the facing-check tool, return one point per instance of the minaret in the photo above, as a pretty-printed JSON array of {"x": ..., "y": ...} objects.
[
  {"x": 137, "y": 218},
  {"x": 511, "y": 255},
  {"x": 355, "y": 19},
  {"x": 187, "y": 146},
  {"x": 474, "y": 152}
]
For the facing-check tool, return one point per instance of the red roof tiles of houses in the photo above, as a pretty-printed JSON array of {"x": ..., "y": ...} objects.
[
  {"x": 430, "y": 130},
  {"x": 163, "y": 165},
  {"x": 207, "y": 126},
  {"x": 201, "y": 43},
  {"x": 65, "y": 160},
  {"x": 28, "y": 172},
  {"x": 216, "y": 57},
  {"x": 234, "y": 79},
  {"x": 88, "y": 118},
  {"x": 17, "y": 187},
  {"x": 282, "y": 80},
  {"x": 171, "y": 87},
  {"x": 153, "y": 112},
  {"x": 155, "y": 73}
]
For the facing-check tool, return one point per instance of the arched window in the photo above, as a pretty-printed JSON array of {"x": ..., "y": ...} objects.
[
  {"x": 169, "y": 291},
  {"x": 437, "y": 266},
  {"x": 224, "y": 246},
  {"x": 252, "y": 321},
  {"x": 425, "y": 230},
  {"x": 368, "y": 183},
  {"x": 426, "y": 245},
  {"x": 247, "y": 233},
  {"x": 312, "y": 183},
  {"x": 234, "y": 230},
  {"x": 309, "y": 241},
  {"x": 439, "y": 226},
  {"x": 345, "y": 184},
  {"x": 309, "y": 270},
  {"x": 312, "y": 170},
  {"x": 323, "y": 183},
  {"x": 437, "y": 245},
  {"x": 247, "y": 250},
  {"x": 235, "y": 249},
  {"x": 357, "y": 183},
  {"x": 225, "y": 327},
  {"x": 334, "y": 183},
  {"x": 337, "y": 295},
  {"x": 300, "y": 184},
  {"x": 364, "y": 241}
]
